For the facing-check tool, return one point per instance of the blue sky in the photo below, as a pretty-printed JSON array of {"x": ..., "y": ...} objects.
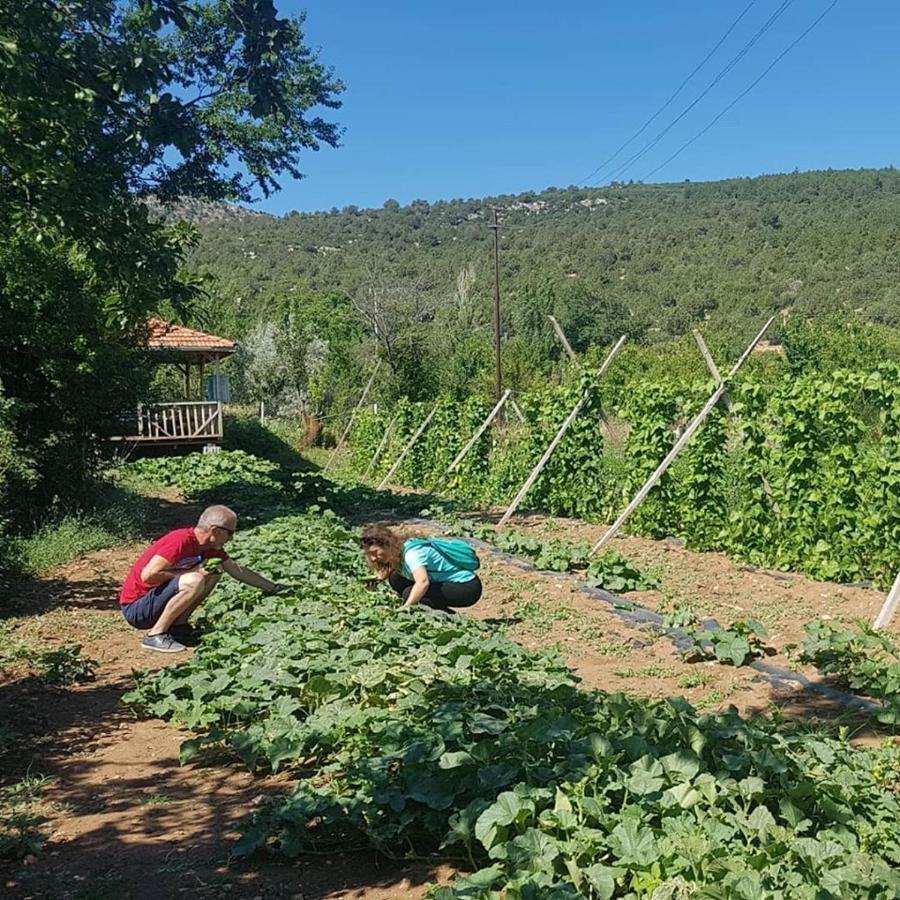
[{"x": 470, "y": 99}]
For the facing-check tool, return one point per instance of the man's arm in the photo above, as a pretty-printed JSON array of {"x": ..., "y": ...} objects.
[
  {"x": 420, "y": 588},
  {"x": 248, "y": 576},
  {"x": 158, "y": 571}
]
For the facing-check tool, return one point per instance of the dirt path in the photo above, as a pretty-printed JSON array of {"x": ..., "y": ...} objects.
[{"x": 126, "y": 821}]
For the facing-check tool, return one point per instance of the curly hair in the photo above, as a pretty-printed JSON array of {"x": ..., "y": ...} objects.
[{"x": 381, "y": 536}]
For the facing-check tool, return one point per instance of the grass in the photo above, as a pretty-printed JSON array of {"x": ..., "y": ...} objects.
[
  {"x": 156, "y": 799},
  {"x": 717, "y": 696},
  {"x": 23, "y": 823},
  {"x": 651, "y": 671},
  {"x": 115, "y": 514},
  {"x": 696, "y": 679}
]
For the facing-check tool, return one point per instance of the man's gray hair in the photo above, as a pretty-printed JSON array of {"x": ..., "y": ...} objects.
[{"x": 217, "y": 515}]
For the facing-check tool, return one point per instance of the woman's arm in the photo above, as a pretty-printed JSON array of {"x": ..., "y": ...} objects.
[{"x": 420, "y": 586}]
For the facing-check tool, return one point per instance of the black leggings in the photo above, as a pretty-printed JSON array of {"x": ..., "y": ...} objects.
[{"x": 440, "y": 595}]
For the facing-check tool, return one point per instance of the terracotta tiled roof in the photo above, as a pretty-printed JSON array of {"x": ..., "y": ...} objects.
[{"x": 166, "y": 336}]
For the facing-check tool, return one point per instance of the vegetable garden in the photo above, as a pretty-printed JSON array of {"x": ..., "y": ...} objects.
[
  {"x": 804, "y": 474},
  {"x": 419, "y": 734}
]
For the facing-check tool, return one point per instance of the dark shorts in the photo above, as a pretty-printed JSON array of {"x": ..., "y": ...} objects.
[
  {"x": 443, "y": 595},
  {"x": 145, "y": 611}
]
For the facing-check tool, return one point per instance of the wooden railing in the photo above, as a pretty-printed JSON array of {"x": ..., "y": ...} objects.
[{"x": 175, "y": 423}]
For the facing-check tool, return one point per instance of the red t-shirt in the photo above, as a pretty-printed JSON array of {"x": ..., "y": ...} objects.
[{"x": 179, "y": 546}]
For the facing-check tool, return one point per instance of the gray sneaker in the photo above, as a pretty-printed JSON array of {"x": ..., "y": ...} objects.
[{"x": 164, "y": 643}]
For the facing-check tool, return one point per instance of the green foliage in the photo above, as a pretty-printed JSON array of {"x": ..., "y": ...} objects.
[
  {"x": 803, "y": 473},
  {"x": 72, "y": 536},
  {"x": 867, "y": 661},
  {"x": 64, "y": 665},
  {"x": 556, "y": 556},
  {"x": 415, "y": 732},
  {"x": 738, "y": 643},
  {"x": 197, "y": 473},
  {"x": 614, "y": 572},
  {"x": 23, "y": 823},
  {"x": 101, "y": 105},
  {"x": 254, "y": 488},
  {"x": 652, "y": 261}
]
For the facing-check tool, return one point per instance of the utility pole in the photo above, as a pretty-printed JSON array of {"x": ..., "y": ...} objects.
[{"x": 498, "y": 376}]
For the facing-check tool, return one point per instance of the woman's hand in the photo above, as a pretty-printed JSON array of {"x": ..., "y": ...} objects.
[{"x": 420, "y": 587}]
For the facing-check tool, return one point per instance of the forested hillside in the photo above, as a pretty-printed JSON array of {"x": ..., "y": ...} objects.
[{"x": 650, "y": 259}]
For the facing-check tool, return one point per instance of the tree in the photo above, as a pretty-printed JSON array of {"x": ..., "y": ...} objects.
[{"x": 103, "y": 103}]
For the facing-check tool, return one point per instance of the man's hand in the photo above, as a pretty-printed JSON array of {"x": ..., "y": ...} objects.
[{"x": 278, "y": 588}]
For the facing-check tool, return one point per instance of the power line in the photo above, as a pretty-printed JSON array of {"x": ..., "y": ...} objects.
[
  {"x": 675, "y": 93},
  {"x": 744, "y": 93},
  {"x": 721, "y": 74}
]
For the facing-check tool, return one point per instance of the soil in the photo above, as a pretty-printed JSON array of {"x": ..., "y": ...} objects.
[{"x": 127, "y": 821}]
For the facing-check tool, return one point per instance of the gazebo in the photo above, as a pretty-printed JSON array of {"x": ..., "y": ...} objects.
[
  {"x": 187, "y": 421},
  {"x": 184, "y": 347}
]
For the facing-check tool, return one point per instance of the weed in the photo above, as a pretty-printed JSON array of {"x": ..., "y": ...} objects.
[
  {"x": 156, "y": 799},
  {"x": 65, "y": 665},
  {"x": 695, "y": 679},
  {"x": 717, "y": 696},
  {"x": 22, "y": 819},
  {"x": 651, "y": 671},
  {"x": 540, "y": 618}
]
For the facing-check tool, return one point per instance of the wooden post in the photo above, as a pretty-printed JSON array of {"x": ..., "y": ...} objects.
[
  {"x": 562, "y": 337},
  {"x": 356, "y": 409},
  {"x": 890, "y": 606},
  {"x": 679, "y": 444},
  {"x": 381, "y": 446},
  {"x": 711, "y": 365},
  {"x": 517, "y": 411},
  {"x": 408, "y": 447},
  {"x": 529, "y": 482},
  {"x": 262, "y": 412},
  {"x": 717, "y": 378},
  {"x": 472, "y": 441},
  {"x": 573, "y": 358}
]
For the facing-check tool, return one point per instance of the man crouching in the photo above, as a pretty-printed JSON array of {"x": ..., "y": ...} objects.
[{"x": 172, "y": 578}]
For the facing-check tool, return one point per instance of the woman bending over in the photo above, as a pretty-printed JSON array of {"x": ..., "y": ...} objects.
[{"x": 422, "y": 571}]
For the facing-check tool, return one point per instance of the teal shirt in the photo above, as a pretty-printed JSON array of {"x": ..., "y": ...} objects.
[{"x": 438, "y": 568}]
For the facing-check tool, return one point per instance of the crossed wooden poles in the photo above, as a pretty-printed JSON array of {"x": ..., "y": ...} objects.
[{"x": 719, "y": 394}]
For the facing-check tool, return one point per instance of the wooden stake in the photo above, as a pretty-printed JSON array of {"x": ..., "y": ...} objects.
[
  {"x": 408, "y": 447},
  {"x": 353, "y": 415},
  {"x": 717, "y": 378},
  {"x": 529, "y": 482},
  {"x": 711, "y": 365},
  {"x": 890, "y": 606},
  {"x": 562, "y": 337},
  {"x": 473, "y": 440},
  {"x": 679, "y": 444},
  {"x": 517, "y": 411},
  {"x": 381, "y": 446}
]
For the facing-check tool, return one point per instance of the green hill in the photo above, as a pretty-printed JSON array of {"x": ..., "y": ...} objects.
[{"x": 653, "y": 260}]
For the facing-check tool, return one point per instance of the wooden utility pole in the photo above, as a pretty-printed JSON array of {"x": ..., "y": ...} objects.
[{"x": 498, "y": 375}]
